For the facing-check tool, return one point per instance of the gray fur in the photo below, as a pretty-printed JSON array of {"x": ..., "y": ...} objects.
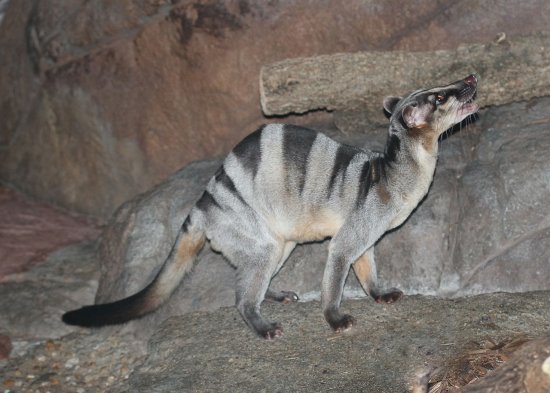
[{"x": 285, "y": 185}]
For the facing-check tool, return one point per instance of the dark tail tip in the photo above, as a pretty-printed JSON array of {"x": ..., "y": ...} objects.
[
  {"x": 76, "y": 317},
  {"x": 109, "y": 313},
  {"x": 89, "y": 316}
]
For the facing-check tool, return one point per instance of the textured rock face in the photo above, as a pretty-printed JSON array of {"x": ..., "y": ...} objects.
[
  {"x": 140, "y": 236},
  {"x": 31, "y": 304},
  {"x": 5, "y": 346},
  {"x": 389, "y": 345},
  {"x": 101, "y": 100},
  {"x": 29, "y": 231},
  {"x": 483, "y": 226},
  {"x": 3, "y": 6}
]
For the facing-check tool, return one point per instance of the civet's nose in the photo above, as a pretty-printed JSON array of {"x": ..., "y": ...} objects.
[{"x": 471, "y": 80}]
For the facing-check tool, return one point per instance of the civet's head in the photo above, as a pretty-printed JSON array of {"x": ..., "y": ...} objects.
[{"x": 425, "y": 114}]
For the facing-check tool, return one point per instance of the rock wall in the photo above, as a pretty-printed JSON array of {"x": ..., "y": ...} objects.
[
  {"x": 3, "y": 6},
  {"x": 100, "y": 100}
]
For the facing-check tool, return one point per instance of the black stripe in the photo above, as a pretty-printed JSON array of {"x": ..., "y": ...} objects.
[
  {"x": 392, "y": 148},
  {"x": 372, "y": 172},
  {"x": 207, "y": 201},
  {"x": 344, "y": 155},
  {"x": 223, "y": 178},
  {"x": 364, "y": 184},
  {"x": 249, "y": 151},
  {"x": 297, "y": 144},
  {"x": 185, "y": 225},
  {"x": 378, "y": 170}
]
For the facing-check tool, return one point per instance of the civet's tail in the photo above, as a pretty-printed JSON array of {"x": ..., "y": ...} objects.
[{"x": 188, "y": 244}]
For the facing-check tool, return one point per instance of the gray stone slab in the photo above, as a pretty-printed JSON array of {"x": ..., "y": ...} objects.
[
  {"x": 216, "y": 352},
  {"x": 31, "y": 303}
]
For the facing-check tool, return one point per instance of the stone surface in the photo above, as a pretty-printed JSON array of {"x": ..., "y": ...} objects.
[
  {"x": 31, "y": 303},
  {"x": 139, "y": 238},
  {"x": 3, "y": 6},
  {"x": 509, "y": 72},
  {"x": 78, "y": 362},
  {"x": 101, "y": 100},
  {"x": 483, "y": 226},
  {"x": 30, "y": 230},
  {"x": 216, "y": 352},
  {"x": 503, "y": 235},
  {"x": 5, "y": 346},
  {"x": 461, "y": 240}
]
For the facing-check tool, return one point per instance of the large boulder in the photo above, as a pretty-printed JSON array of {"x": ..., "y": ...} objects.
[
  {"x": 100, "y": 100},
  {"x": 482, "y": 228},
  {"x": 385, "y": 352},
  {"x": 30, "y": 230},
  {"x": 31, "y": 304},
  {"x": 448, "y": 341}
]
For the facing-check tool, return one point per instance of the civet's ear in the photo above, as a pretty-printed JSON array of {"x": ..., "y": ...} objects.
[
  {"x": 415, "y": 116},
  {"x": 390, "y": 103}
]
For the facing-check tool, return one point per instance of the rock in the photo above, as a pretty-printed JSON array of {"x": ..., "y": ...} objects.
[
  {"x": 463, "y": 239},
  {"x": 139, "y": 237},
  {"x": 3, "y": 6},
  {"x": 5, "y": 347},
  {"x": 205, "y": 352},
  {"x": 30, "y": 230},
  {"x": 303, "y": 84},
  {"x": 503, "y": 238},
  {"x": 31, "y": 304},
  {"x": 101, "y": 100},
  {"x": 215, "y": 351},
  {"x": 78, "y": 362},
  {"x": 483, "y": 226}
]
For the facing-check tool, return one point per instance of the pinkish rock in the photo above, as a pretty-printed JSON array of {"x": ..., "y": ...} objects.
[
  {"x": 5, "y": 346},
  {"x": 100, "y": 100},
  {"x": 30, "y": 230}
]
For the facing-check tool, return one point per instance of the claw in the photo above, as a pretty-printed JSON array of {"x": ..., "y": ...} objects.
[
  {"x": 389, "y": 297},
  {"x": 345, "y": 323}
]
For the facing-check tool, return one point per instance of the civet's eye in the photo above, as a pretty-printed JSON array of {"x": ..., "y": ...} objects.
[{"x": 440, "y": 98}]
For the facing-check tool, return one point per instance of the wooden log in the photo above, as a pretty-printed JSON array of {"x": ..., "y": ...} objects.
[
  {"x": 510, "y": 69},
  {"x": 518, "y": 366},
  {"x": 526, "y": 371}
]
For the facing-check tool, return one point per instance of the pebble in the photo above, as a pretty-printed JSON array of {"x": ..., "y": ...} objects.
[
  {"x": 8, "y": 383},
  {"x": 82, "y": 363},
  {"x": 50, "y": 345},
  {"x": 72, "y": 362}
]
